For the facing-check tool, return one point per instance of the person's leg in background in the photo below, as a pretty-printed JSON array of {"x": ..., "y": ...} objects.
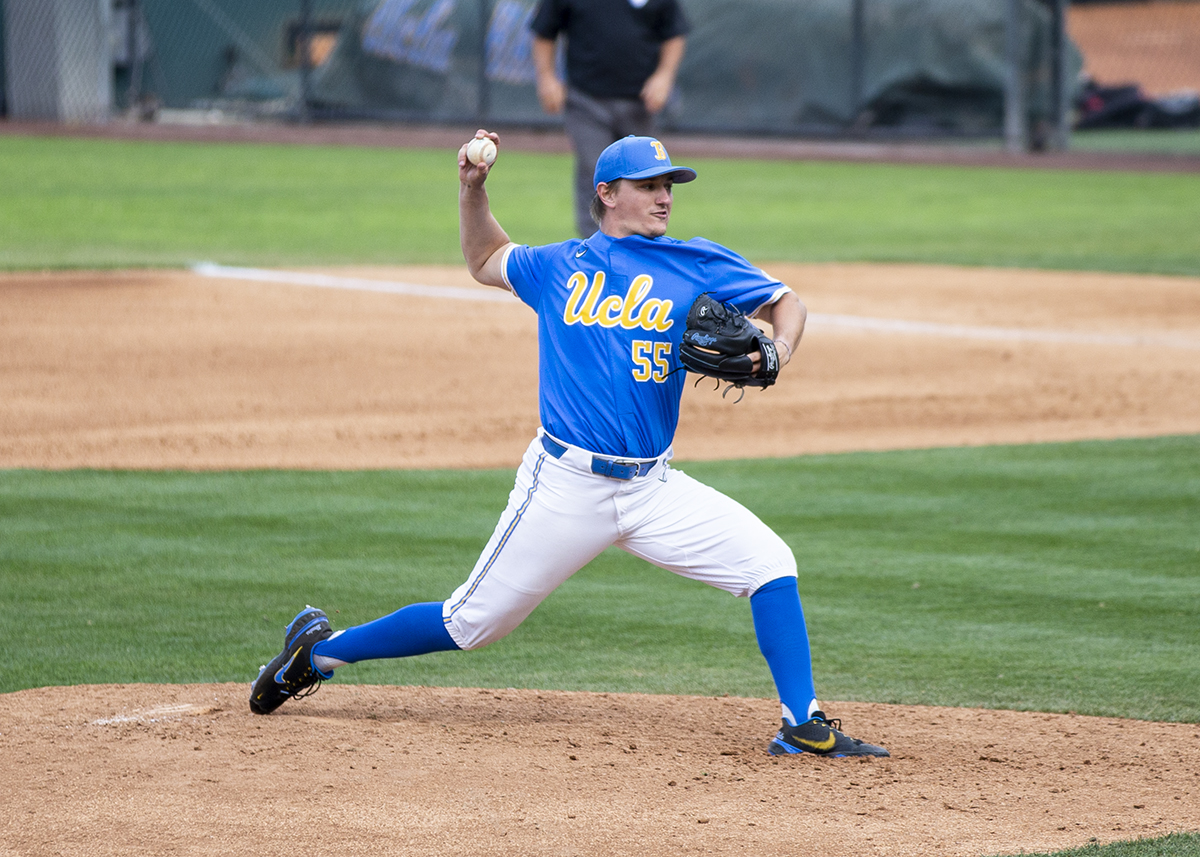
[
  {"x": 593, "y": 124},
  {"x": 589, "y": 125}
]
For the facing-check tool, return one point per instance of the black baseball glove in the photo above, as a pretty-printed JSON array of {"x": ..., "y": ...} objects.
[{"x": 720, "y": 341}]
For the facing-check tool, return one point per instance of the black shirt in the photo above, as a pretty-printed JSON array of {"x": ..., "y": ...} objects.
[{"x": 612, "y": 45}]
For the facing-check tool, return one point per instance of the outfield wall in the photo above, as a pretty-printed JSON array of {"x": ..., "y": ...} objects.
[{"x": 917, "y": 67}]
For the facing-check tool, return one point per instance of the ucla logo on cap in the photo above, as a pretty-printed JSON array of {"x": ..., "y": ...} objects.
[{"x": 638, "y": 158}]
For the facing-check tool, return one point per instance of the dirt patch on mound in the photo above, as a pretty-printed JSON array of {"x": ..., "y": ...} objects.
[
  {"x": 150, "y": 769},
  {"x": 172, "y": 370}
]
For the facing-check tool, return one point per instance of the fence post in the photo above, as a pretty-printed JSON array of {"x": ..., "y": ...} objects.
[
  {"x": 1059, "y": 109},
  {"x": 304, "y": 48},
  {"x": 858, "y": 62},
  {"x": 1015, "y": 121},
  {"x": 131, "y": 45},
  {"x": 58, "y": 59},
  {"x": 483, "y": 99}
]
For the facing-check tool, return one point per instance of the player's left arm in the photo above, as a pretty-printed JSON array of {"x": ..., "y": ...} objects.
[{"x": 787, "y": 317}]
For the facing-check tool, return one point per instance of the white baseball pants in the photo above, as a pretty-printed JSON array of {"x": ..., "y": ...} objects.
[{"x": 561, "y": 515}]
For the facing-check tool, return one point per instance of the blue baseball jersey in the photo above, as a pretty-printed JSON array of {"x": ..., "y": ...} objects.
[{"x": 611, "y": 315}]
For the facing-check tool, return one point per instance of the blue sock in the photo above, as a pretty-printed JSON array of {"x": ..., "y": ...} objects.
[
  {"x": 413, "y": 630},
  {"x": 783, "y": 641}
]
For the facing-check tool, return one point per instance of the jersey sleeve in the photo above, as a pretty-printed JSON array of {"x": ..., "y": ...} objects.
[
  {"x": 522, "y": 267},
  {"x": 673, "y": 22},
  {"x": 549, "y": 19},
  {"x": 732, "y": 279}
]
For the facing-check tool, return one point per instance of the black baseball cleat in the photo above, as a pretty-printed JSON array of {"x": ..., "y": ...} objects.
[
  {"x": 820, "y": 736},
  {"x": 291, "y": 675}
]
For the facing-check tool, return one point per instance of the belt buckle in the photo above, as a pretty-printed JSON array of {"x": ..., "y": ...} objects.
[
  {"x": 616, "y": 468},
  {"x": 629, "y": 469}
]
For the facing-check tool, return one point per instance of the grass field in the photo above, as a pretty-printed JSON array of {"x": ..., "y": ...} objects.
[
  {"x": 1048, "y": 578},
  {"x": 1176, "y": 845},
  {"x": 1051, "y": 577},
  {"x": 103, "y": 203},
  {"x": 1165, "y": 141}
]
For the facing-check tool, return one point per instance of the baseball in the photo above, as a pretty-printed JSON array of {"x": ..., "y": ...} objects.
[{"x": 481, "y": 150}]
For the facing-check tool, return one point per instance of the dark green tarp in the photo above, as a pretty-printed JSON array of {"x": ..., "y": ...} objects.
[{"x": 774, "y": 66}]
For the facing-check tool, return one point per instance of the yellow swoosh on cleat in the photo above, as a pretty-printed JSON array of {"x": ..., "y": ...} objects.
[
  {"x": 819, "y": 746},
  {"x": 283, "y": 669}
]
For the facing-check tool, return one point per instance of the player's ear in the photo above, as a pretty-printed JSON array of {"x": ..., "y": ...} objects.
[{"x": 607, "y": 193}]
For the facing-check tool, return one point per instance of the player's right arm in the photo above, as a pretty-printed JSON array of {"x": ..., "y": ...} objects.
[{"x": 481, "y": 236}]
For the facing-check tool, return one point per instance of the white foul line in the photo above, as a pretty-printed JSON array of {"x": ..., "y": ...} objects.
[
  {"x": 325, "y": 281},
  {"x": 962, "y": 331},
  {"x": 858, "y": 322}
]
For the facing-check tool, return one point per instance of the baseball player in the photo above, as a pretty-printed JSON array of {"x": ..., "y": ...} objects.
[{"x": 611, "y": 313}]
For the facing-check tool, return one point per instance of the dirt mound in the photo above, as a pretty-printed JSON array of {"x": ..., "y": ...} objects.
[
  {"x": 168, "y": 369},
  {"x": 157, "y": 769}
]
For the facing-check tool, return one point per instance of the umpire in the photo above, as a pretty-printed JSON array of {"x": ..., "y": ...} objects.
[{"x": 622, "y": 58}]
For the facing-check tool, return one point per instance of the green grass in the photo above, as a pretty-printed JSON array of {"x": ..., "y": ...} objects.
[
  {"x": 1162, "y": 141},
  {"x": 1052, "y": 578},
  {"x": 1049, "y": 577},
  {"x": 1174, "y": 845},
  {"x": 104, "y": 203},
  {"x": 949, "y": 215}
]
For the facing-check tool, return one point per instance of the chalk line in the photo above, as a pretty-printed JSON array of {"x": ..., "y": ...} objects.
[{"x": 857, "y": 322}]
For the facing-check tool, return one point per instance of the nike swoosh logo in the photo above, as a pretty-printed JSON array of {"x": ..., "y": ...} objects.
[
  {"x": 284, "y": 668},
  {"x": 579, "y": 253},
  {"x": 819, "y": 746}
]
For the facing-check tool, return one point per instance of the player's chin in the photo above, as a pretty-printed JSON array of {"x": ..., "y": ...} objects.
[{"x": 656, "y": 226}]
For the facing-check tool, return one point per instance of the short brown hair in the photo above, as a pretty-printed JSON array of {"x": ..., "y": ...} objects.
[{"x": 597, "y": 207}]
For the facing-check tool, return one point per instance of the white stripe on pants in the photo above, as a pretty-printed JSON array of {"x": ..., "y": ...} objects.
[{"x": 560, "y": 517}]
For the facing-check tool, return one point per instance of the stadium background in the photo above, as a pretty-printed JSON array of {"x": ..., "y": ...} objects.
[{"x": 824, "y": 68}]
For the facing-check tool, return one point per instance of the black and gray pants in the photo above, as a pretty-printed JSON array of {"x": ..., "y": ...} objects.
[{"x": 593, "y": 124}]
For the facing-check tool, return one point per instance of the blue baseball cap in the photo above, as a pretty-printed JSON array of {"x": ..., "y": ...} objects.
[{"x": 637, "y": 158}]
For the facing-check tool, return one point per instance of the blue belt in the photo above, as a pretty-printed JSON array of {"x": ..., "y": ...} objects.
[{"x": 604, "y": 466}]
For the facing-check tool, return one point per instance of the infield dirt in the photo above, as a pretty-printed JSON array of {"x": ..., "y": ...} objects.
[
  {"x": 166, "y": 369},
  {"x": 171, "y": 370}
]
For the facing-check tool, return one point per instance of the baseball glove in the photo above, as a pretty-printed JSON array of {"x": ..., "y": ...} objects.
[{"x": 720, "y": 341}]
